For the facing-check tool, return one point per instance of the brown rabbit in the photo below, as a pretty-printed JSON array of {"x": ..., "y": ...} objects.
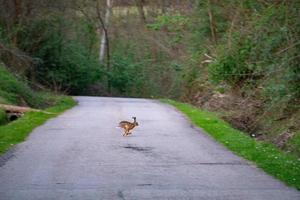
[{"x": 127, "y": 126}]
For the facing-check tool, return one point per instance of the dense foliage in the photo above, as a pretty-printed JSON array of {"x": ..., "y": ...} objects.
[
  {"x": 14, "y": 91},
  {"x": 58, "y": 47},
  {"x": 240, "y": 58},
  {"x": 247, "y": 66}
]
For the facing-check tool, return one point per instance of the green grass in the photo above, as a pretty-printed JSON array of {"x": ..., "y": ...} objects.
[
  {"x": 268, "y": 157},
  {"x": 13, "y": 90},
  {"x": 3, "y": 118},
  {"x": 18, "y": 130},
  {"x": 294, "y": 144}
]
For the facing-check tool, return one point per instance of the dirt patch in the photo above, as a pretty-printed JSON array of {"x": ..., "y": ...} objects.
[
  {"x": 283, "y": 138},
  {"x": 240, "y": 112},
  {"x": 251, "y": 114}
]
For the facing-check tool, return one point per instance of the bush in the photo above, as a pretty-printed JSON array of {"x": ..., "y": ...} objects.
[
  {"x": 14, "y": 91},
  {"x": 64, "y": 60},
  {"x": 266, "y": 54},
  {"x": 3, "y": 118},
  {"x": 232, "y": 66},
  {"x": 172, "y": 23},
  {"x": 125, "y": 76}
]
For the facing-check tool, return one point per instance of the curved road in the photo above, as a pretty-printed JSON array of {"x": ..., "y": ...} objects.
[{"x": 82, "y": 155}]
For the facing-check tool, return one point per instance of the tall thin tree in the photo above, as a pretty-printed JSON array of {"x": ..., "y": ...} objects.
[
  {"x": 140, "y": 7},
  {"x": 104, "y": 41},
  {"x": 104, "y": 36}
]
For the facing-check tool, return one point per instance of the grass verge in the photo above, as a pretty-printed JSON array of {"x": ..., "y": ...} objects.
[
  {"x": 18, "y": 130},
  {"x": 268, "y": 157}
]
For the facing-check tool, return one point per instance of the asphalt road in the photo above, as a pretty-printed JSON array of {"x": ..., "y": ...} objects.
[{"x": 82, "y": 155}]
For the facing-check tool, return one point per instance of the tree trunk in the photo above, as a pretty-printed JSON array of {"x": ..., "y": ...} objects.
[
  {"x": 164, "y": 5},
  {"x": 104, "y": 41},
  {"x": 212, "y": 23},
  {"x": 104, "y": 36},
  {"x": 140, "y": 6},
  {"x": 20, "y": 109},
  {"x": 16, "y": 19}
]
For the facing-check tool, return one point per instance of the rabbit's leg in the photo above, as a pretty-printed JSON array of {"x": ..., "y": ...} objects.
[
  {"x": 128, "y": 133},
  {"x": 130, "y": 129},
  {"x": 124, "y": 134}
]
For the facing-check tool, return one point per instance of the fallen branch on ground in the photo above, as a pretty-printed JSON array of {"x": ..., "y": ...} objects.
[{"x": 20, "y": 109}]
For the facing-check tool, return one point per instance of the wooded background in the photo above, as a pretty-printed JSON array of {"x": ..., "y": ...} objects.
[{"x": 239, "y": 58}]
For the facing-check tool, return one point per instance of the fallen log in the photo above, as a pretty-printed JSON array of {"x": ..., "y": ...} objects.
[{"x": 20, "y": 109}]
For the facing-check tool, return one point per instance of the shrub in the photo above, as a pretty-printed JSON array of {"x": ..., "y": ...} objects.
[
  {"x": 3, "y": 118},
  {"x": 125, "y": 75},
  {"x": 13, "y": 91},
  {"x": 64, "y": 60}
]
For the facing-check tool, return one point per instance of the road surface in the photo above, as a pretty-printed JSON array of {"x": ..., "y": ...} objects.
[{"x": 82, "y": 155}]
